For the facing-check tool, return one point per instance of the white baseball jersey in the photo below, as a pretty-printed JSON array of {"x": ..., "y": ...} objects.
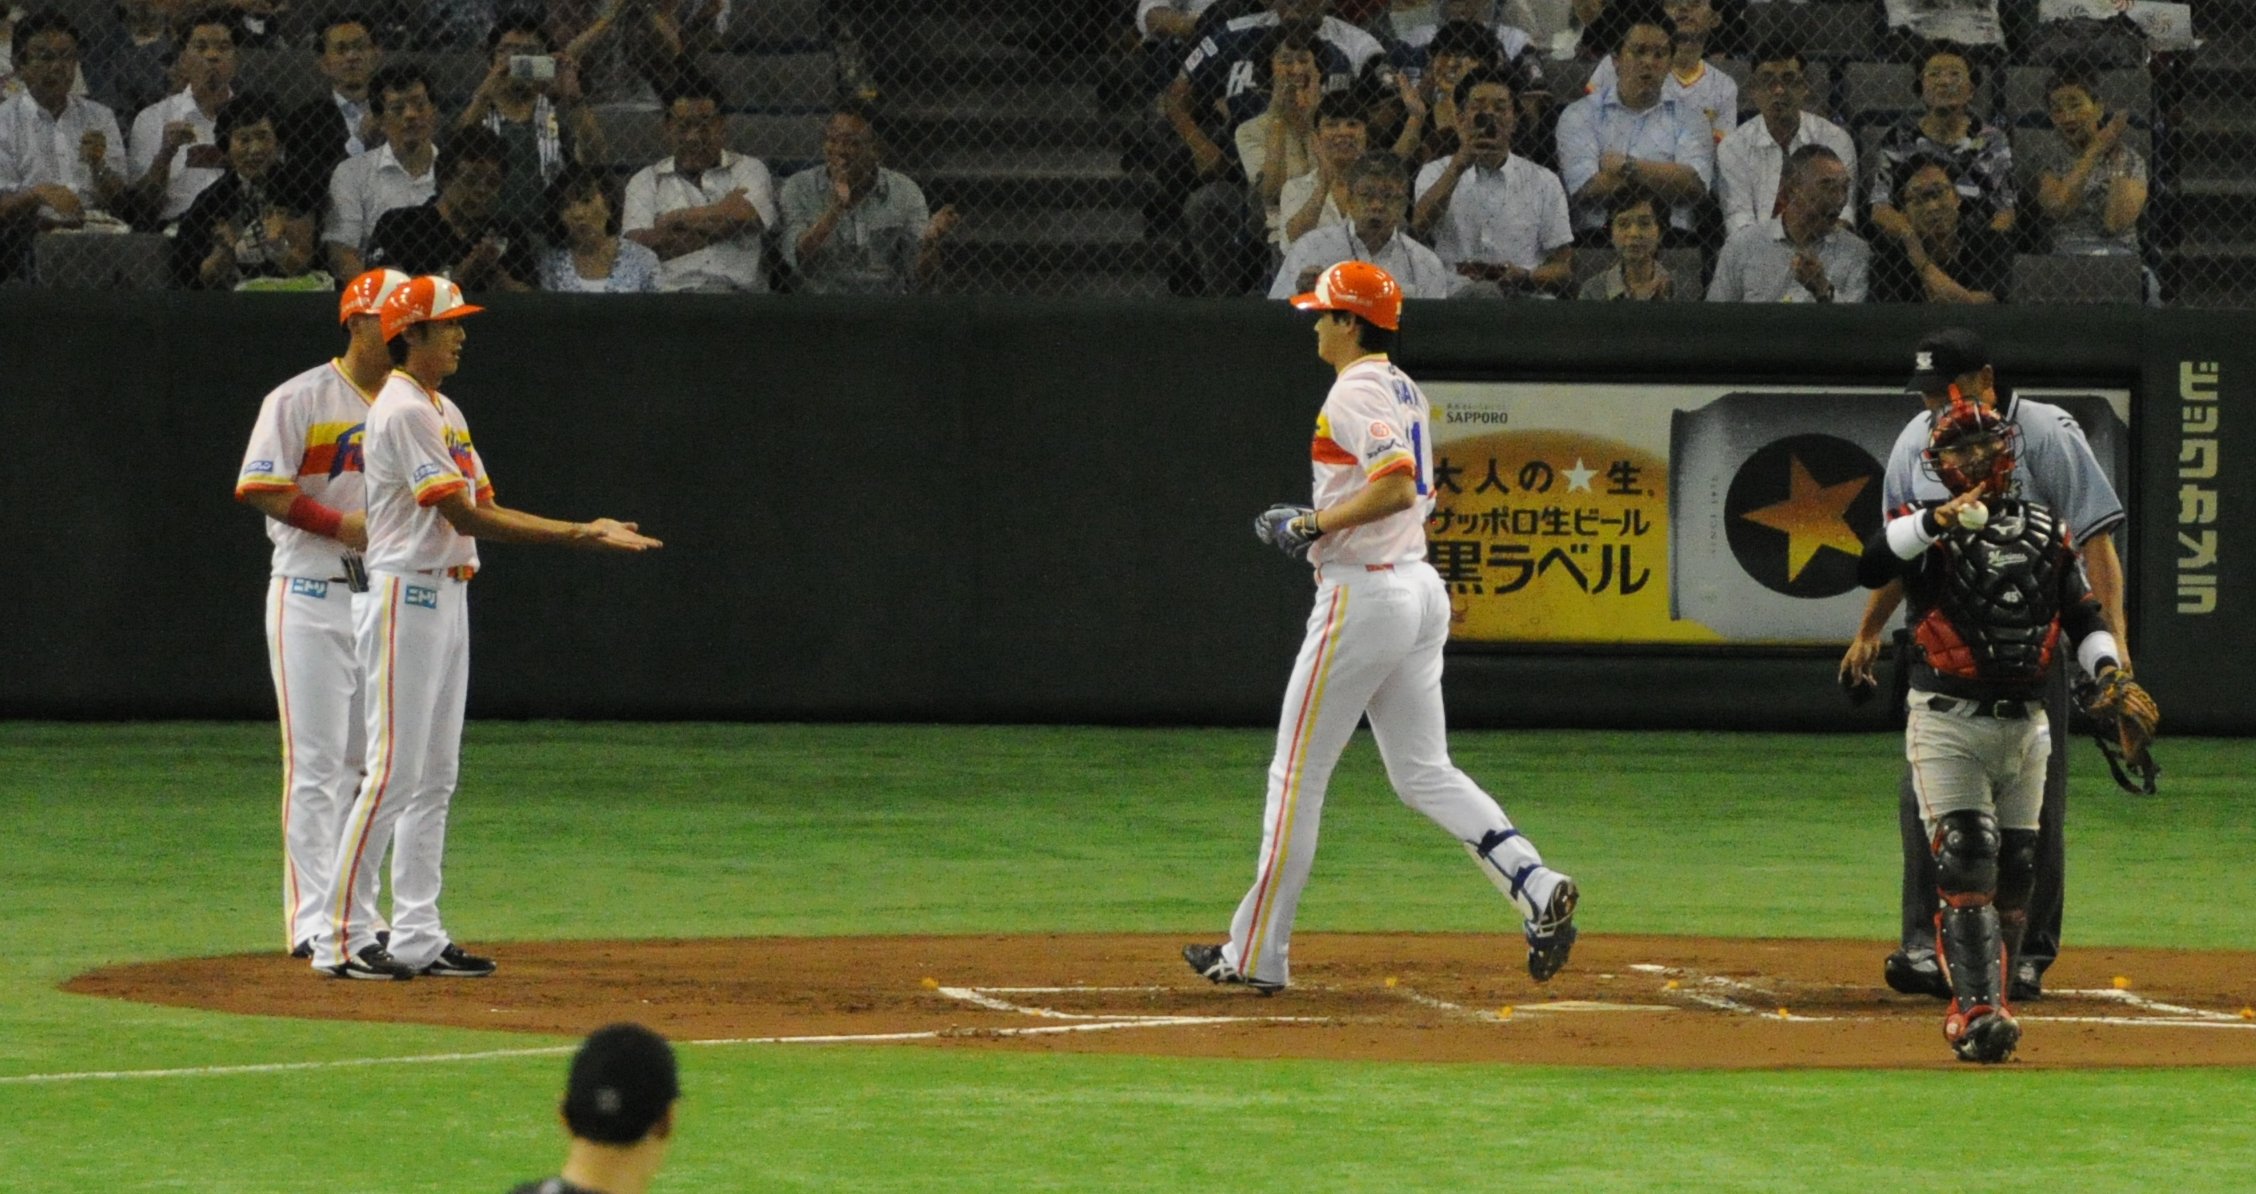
[
  {"x": 418, "y": 451},
  {"x": 308, "y": 435},
  {"x": 1374, "y": 423},
  {"x": 1373, "y": 650}
]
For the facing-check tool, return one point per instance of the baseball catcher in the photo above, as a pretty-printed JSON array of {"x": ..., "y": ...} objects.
[{"x": 1992, "y": 584}]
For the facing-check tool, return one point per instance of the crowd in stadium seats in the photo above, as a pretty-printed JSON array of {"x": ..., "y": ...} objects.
[
  {"x": 507, "y": 185},
  {"x": 1524, "y": 145},
  {"x": 1497, "y": 107}
]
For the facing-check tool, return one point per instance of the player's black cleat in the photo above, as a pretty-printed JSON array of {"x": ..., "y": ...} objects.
[
  {"x": 1208, "y": 961},
  {"x": 1551, "y": 936},
  {"x": 374, "y": 965},
  {"x": 1988, "y": 1038},
  {"x": 453, "y": 963},
  {"x": 302, "y": 950},
  {"x": 2028, "y": 984},
  {"x": 1908, "y": 973}
]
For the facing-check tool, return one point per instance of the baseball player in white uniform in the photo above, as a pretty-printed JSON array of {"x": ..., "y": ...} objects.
[
  {"x": 429, "y": 501},
  {"x": 302, "y": 470},
  {"x": 1373, "y": 648}
]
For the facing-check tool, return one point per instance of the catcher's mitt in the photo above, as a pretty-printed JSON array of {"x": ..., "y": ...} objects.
[{"x": 2124, "y": 718}]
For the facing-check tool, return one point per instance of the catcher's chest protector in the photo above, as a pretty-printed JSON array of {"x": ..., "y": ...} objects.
[{"x": 1993, "y": 596}]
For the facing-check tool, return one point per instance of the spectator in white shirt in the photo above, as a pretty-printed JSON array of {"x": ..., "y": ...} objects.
[
  {"x": 1280, "y": 144},
  {"x": 341, "y": 123},
  {"x": 1633, "y": 132},
  {"x": 1378, "y": 196},
  {"x": 402, "y": 172},
  {"x": 1751, "y": 160},
  {"x": 1693, "y": 82},
  {"x": 60, "y": 154},
  {"x": 705, "y": 211},
  {"x": 172, "y": 152},
  {"x": 1320, "y": 195},
  {"x": 1804, "y": 253},
  {"x": 1495, "y": 217}
]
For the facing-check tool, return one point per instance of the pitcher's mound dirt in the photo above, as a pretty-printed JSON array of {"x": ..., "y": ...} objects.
[{"x": 1625, "y": 1001}]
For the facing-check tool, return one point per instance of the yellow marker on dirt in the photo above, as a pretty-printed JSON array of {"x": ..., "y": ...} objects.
[
  {"x": 931, "y": 984},
  {"x": 2122, "y": 983}
]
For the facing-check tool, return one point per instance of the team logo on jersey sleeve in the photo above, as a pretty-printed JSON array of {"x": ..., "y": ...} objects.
[
  {"x": 258, "y": 468},
  {"x": 425, "y": 472}
]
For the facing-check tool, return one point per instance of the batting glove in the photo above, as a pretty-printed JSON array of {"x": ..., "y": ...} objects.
[{"x": 1289, "y": 529}]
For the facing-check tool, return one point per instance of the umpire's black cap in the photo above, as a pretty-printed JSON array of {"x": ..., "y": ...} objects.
[
  {"x": 1943, "y": 357},
  {"x": 622, "y": 1082}
]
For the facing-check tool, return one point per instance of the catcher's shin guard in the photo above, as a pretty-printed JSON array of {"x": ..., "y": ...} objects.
[
  {"x": 1968, "y": 940},
  {"x": 2017, "y": 877},
  {"x": 1966, "y": 846}
]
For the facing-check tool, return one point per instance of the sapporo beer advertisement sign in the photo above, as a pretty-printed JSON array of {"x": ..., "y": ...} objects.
[{"x": 1571, "y": 513}]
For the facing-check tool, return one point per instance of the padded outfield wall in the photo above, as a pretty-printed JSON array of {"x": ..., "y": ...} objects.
[{"x": 986, "y": 510}]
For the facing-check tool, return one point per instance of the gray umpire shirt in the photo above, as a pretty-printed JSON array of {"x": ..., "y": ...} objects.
[{"x": 2056, "y": 468}]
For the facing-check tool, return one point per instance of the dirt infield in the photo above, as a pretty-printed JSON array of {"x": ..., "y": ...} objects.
[{"x": 1625, "y": 1001}]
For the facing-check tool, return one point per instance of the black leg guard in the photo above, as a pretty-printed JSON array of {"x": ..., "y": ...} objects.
[
  {"x": 1967, "y": 936},
  {"x": 2017, "y": 875}
]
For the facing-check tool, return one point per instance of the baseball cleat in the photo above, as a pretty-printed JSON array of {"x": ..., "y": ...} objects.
[
  {"x": 1919, "y": 973},
  {"x": 1551, "y": 936},
  {"x": 2028, "y": 983},
  {"x": 374, "y": 965},
  {"x": 1983, "y": 1035},
  {"x": 454, "y": 963},
  {"x": 1208, "y": 961},
  {"x": 302, "y": 950}
]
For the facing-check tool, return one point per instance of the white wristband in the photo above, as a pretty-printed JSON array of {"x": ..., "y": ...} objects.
[
  {"x": 1907, "y": 536},
  {"x": 2097, "y": 648}
]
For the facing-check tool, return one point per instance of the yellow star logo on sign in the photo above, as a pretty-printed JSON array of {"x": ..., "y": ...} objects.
[{"x": 1813, "y": 517}]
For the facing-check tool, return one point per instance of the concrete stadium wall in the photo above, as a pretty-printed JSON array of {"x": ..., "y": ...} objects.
[{"x": 985, "y": 510}]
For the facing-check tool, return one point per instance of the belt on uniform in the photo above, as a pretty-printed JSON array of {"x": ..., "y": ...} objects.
[
  {"x": 458, "y": 572},
  {"x": 1378, "y": 567},
  {"x": 2005, "y": 710}
]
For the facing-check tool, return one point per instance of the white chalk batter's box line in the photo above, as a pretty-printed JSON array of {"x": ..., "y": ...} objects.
[{"x": 2173, "y": 1016}]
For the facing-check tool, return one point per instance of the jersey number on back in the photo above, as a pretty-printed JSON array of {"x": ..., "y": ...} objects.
[{"x": 1409, "y": 399}]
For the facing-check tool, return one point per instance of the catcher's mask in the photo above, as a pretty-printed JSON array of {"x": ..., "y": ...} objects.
[{"x": 1972, "y": 447}]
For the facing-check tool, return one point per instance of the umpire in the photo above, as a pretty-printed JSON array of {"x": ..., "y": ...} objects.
[{"x": 2059, "y": 470}]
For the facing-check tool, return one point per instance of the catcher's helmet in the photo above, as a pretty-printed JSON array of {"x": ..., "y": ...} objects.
[
  {"x": 1358, "y": 288},
  {"x": 1972, "y": 447}
]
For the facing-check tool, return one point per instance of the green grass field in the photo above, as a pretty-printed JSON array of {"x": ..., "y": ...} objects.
[{"x": 150, "y": 841}]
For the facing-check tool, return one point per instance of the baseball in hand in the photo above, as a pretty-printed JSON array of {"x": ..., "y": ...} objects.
[{"x": 1974, "y": 517}]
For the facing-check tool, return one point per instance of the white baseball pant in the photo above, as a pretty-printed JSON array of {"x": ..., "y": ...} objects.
[
  {"x": 413, "y": 637},
  {"x": 309, "y": 650},
  {"x": 1963, "y": 762},
  {"x": 1373, "y": 647}
]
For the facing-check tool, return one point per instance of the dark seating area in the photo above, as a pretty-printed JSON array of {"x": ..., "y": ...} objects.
[{"x": 1042, "y": 130}]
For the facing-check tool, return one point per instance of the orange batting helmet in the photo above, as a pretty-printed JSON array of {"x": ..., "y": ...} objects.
[
  {"x": 1358, "y": 288},
  {"x": 367, "y": 293},
  {"x": 427, "y": 299}
]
